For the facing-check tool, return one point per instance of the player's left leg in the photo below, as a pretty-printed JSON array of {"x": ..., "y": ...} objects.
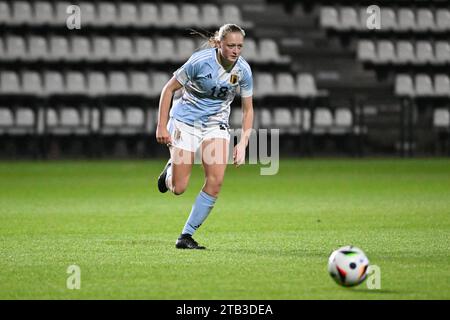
[{"x": 214, "y": 160}]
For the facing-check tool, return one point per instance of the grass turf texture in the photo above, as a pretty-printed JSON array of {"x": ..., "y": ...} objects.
[{"x": 269, "y": 237}]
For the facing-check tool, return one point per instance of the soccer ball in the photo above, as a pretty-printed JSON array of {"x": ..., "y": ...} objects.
[{"x": 348, "y": 266}]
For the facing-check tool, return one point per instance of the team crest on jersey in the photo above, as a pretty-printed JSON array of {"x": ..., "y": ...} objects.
[{"x": 234, "y": 78}]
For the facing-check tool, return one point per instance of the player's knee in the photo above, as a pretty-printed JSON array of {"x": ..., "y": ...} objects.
[
  {"x": 179, "y": 188},
  {"x": 214, "y": 184}
]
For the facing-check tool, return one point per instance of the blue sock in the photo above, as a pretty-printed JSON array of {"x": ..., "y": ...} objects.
[{"x": 200, "y": 211}]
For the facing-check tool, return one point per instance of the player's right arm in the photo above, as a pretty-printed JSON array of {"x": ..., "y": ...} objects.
[{"x": 162, "y": 134}]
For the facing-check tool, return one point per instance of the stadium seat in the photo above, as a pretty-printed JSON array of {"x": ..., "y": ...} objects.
[
  {"x": 442, "y": 20},
  {"x": 118, "y": 83},
  {"x": 32, "y": 83},
  {"x": 25, "y": 121},
  {"x": 441, "y": 118},
  {"x": 232, "y": 14},
  {"x": 60, "y": 16},
  {"x": 9, "y": 82},
  {"x": 306, "y": 85},
  {"x": 88, "y": 14},
  {"x": 169, "y": 15},
  {"x": 425, "y": 20},
  {"x": 388, "y": 19},
  {"x": 53, "y": 83},
  {"x": 424, "y": 85},
  {"x": 285, "y": 84},
  {"x": 16, "y": 48},
  {"x": 185, "y": 48},
  {"x": 165, "y": 50},
  {"x": 128, "y": 14},
  {"x": 250, "y": 51},
  {"x": 349, "y": 19},
  {"x": 123, "y": 49},
  {"x": 6, "y": 118},
  {"x": 140, "y": 83},
  {"x": 106, "y": 14},
  {"x": 158, "y": 81},
  {"x": 22, "y": 13},
  {"x": 264, "y": 84},
  {"x": 323, "y": 120},
  {"x": 366, "y": 51},
  {"x": 386, "y": 52},
  {"x": 424, "y": 52},
  {"x": 2, "y": 48},
  {"x": 406, "y": 19},
  {"x": 5, "y": 12},
  {"x": 81, "y": 48},
  {"x": 112, "y": 120},
  {"x": 144, "y": 49},
  {"x": 134, "y": 117},
  {"x": 59, "y": 48},
  {"x": 282, "y": 119},
  {"x": 405, "y": 52},
  {"x": 75, "y": 83},
  {"x": 148, "y": 15},
  {"x": 404, "y": 85},
  {"x": 343, "y": 121},
  {"x": 210, "y": 15},
  {"x": 442, "y": 49},
  {"x": 102, "y": 48},
  {"x": 97, "y": 85},
  {"x": 442, "y": 85},
  {"x": 329, "y": 18},
  {"x": 69, "y": 121},
  {"x": 37, "y": 48},
  {"x": 189, "y": 15},
  {"x": 268, "y": 51},
  {"x": 43, "y": 13}
]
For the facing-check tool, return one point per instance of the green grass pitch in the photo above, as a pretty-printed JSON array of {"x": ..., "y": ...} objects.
[{"x": 268, "y": 237}]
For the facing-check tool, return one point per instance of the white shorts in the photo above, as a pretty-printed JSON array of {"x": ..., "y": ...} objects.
[{"x": 190, "y": 138}]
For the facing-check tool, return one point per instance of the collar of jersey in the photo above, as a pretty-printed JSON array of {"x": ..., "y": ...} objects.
[{"x": 216, "y": 52}]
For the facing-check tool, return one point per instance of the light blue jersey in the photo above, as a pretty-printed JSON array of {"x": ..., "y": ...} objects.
[{"x": 208, "y": 90}]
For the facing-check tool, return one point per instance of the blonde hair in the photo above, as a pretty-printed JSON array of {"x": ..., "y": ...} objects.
[{"x": 213, "y": 40}]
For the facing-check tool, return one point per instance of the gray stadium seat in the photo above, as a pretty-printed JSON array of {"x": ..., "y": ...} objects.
[
  {"x": 128, "y": 14},
  {"x": 169, "y": 15},
  {"x": 123, "y": 49},
  {"x": 442, "y": 85},
  {"x": 102, "y": 48},
  {"x": 43, "y": 13},
  {"x": 285, "y": 84},
  {"x": 59, "y": 48},
  {"x": 386, "y": 52},
  {"x": 264, "y": 84},
  {"x": 88, "y": 13},
  {"x": 134, "y": 121},
  {"x": 118, "y": 83},
  {"x": 112, "y": 120},
  {"x": 306, "y": 85},
  {"x": 148, "y": 15},
  {"x": 425, "y": 20},
  {"x": 268, "y": 52},
  {"x": 140, "y": 83},
  {"x": 37, "y": 48},
  {"x": 75, "y": 83},
  {"x": 5, "y": 12},
  {"x": 53, "y": 83},
  {"x": 158, "y": 81},
  {"x": 24, "y": 121},
  {"x": 185, "y": 48},
  {"x": 32, "y": 83},
  {"x": 406, "y": 19},
  {"x": 16, "y": 48},
  {"x": 441, "y": 118},
  {"x": 61, "y": 13},
  {"x": 405, "y": 52},
  {"x": 366, "y": 51},
  {"x": 144, "y": 49},
  {"x": 442, "y": 52},
  {"x": 282, "y": 119},
  {"x": 349, "y": 19},
  {"x": 443, "y": 19},
  {"x": 97, "y": 85},
  {"x": 81, "y": 48},
  {"x": 106, "y": 14},
  {"x": 388, "y": 19},
  {"x": 210, "y": 15},
  {"x": 404, "y": 85},
  {"x": 165, "y": 50},
  {"x": 329, "y": 17},
  {"x": 424, "y": 52},
  {"x": 232, "y": 14},
  {"x": 189, "y": 15},
  {"x": 343, "y": 121},
  {"x": 250, "y": 51},
  {"x": 22, "y": 13},
  {"x": 423, "y": 85},
  {"x": 323, "y": 120},
  {"x": 9, "y": 82},
  {"x": 6, "y": 119}
]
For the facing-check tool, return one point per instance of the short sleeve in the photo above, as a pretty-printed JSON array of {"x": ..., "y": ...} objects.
[
  {"x": 186, "y": 72},
  {"x": 246, "y": 83}
]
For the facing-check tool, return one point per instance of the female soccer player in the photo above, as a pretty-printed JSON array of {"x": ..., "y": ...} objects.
[{"x": 209, "y": 81}]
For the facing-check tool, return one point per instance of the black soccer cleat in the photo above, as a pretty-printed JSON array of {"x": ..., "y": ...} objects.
[
  {"x": 162, "y": 187},
  {"x": 185, "y": 241}
]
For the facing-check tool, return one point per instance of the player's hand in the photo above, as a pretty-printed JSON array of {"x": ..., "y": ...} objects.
[
  {"x": 163, "y": 135},
  {"x": 239, "y": 154}
]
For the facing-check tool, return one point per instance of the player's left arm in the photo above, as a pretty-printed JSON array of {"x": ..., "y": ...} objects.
[{"x": 247, "y": 124}]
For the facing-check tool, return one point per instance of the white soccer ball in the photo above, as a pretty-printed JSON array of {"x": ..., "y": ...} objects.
[{"x": 348, "y": 266}]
